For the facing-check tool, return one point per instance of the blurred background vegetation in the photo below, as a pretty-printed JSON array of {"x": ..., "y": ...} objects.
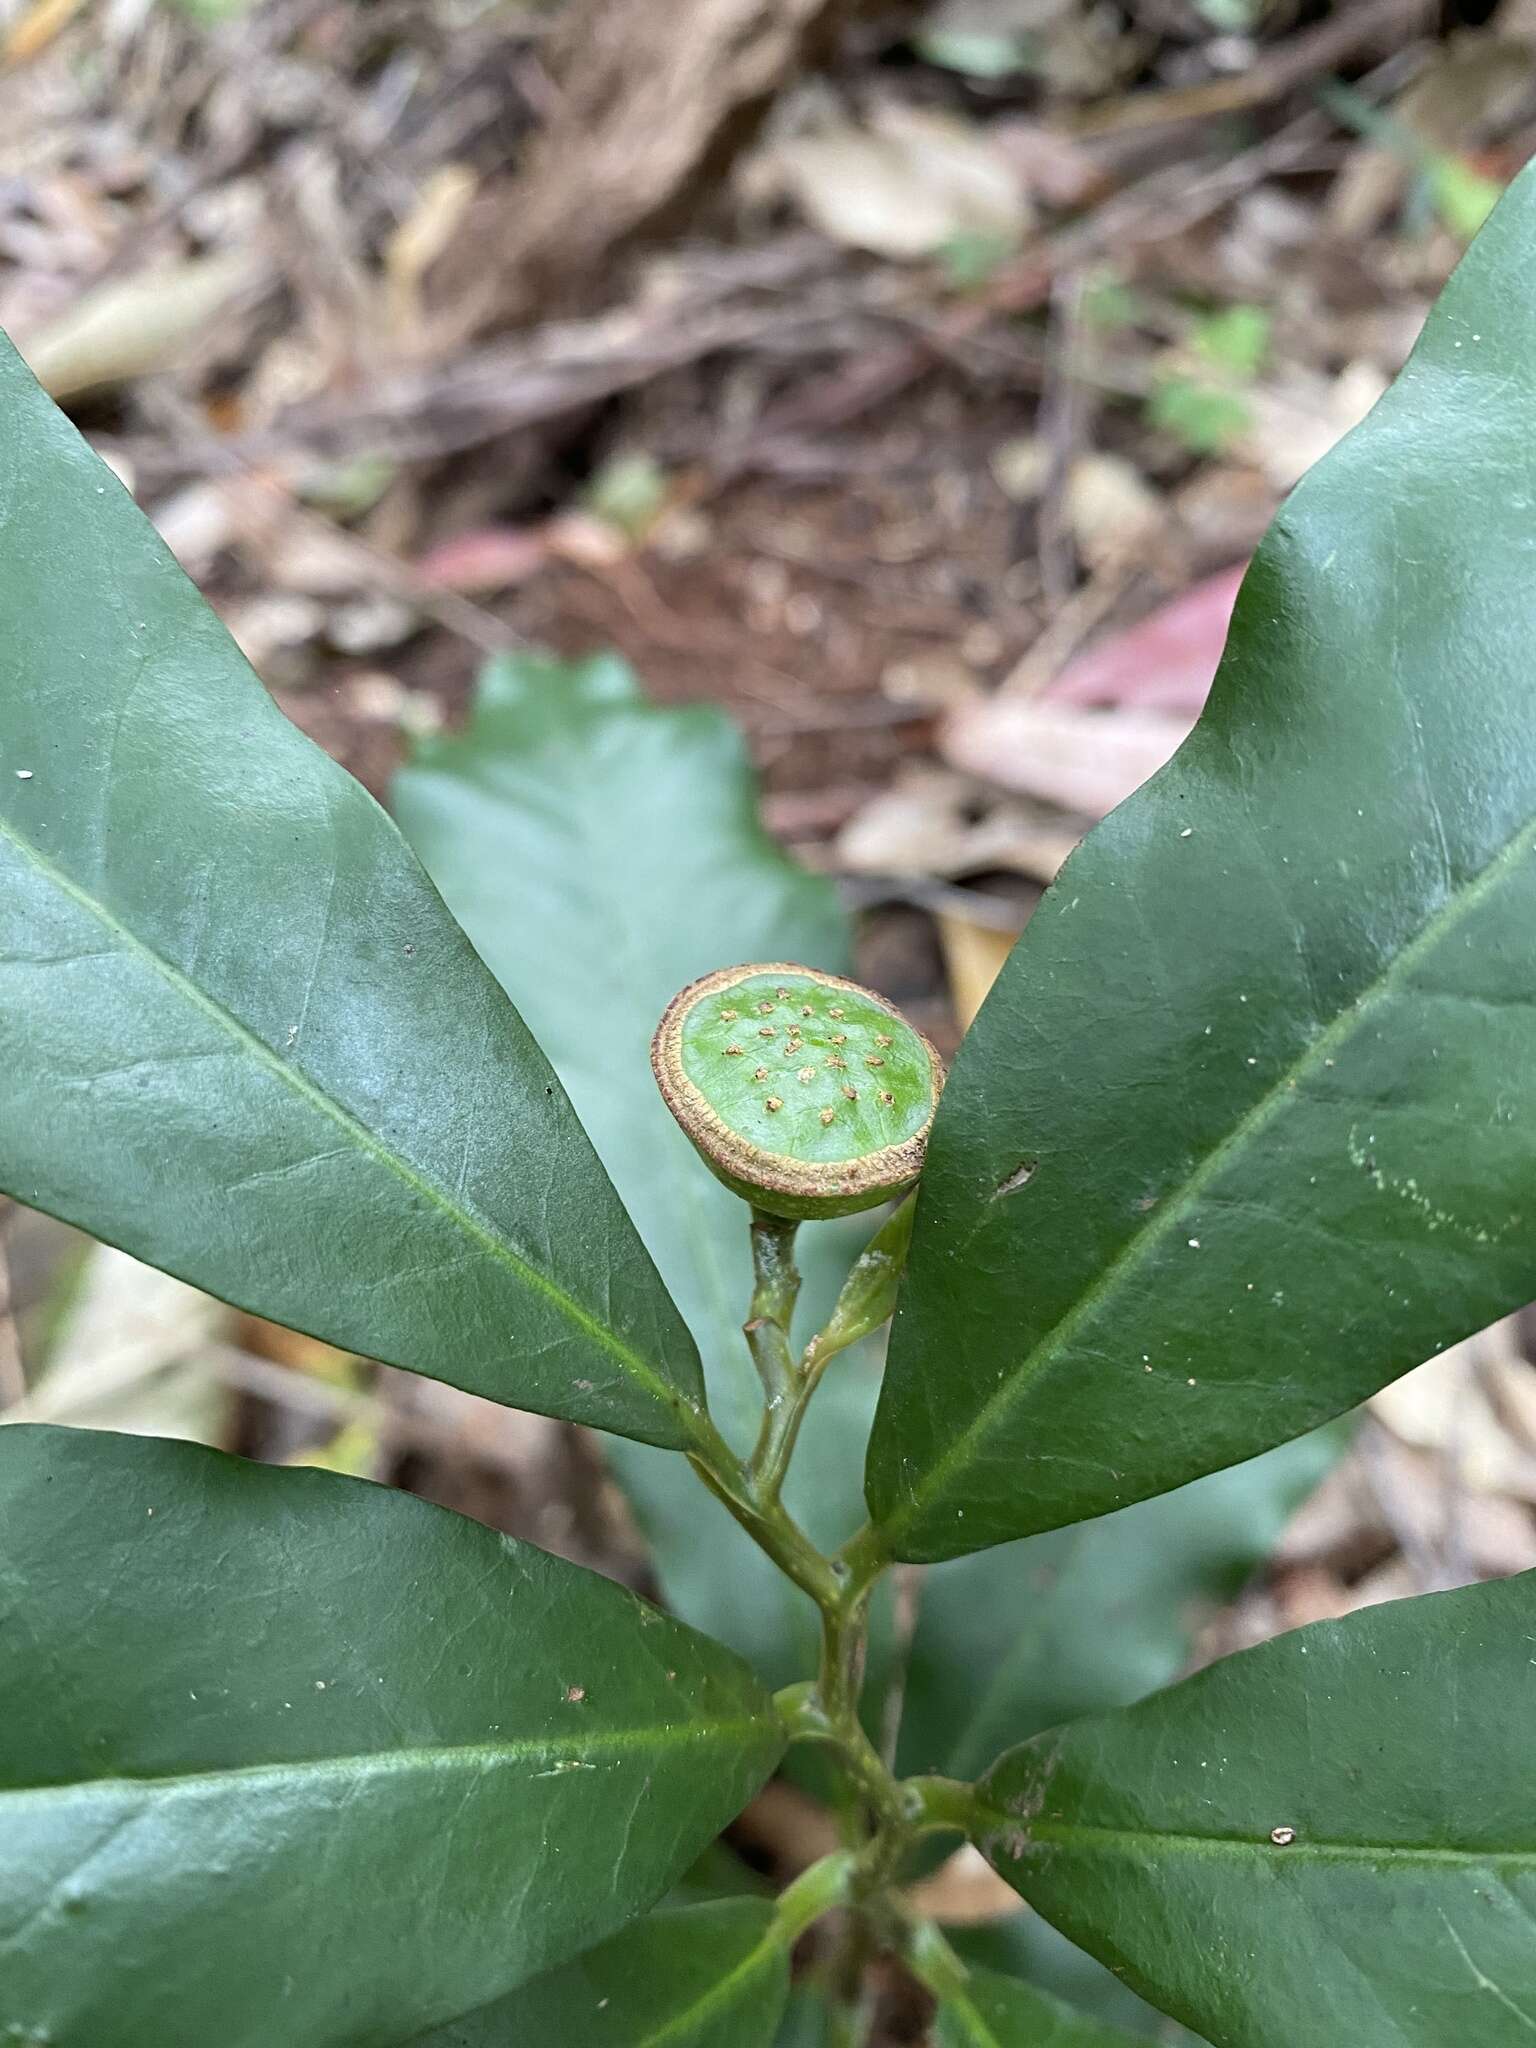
[{"x": 666, "y": 450}]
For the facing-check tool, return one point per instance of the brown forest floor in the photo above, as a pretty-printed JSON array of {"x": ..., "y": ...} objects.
[{"x": 858, "y": 367}]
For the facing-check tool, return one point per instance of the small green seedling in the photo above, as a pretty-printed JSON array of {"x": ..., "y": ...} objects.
[
  {"x": 1245, "y": 1130},
  {"x": 808, "y": 1095}
]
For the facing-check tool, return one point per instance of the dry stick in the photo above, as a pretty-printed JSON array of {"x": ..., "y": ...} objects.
[
  {"x": 13, "y": 1380},
  {"x": 1354, "y": 30},
  {"x": 381, "y": 569},
  {"x": 1074, "y": 622},
  {"x": 907, "y": 1590},
  {"x": 424, "y": 413},
  {"x": 1060, "y": 425},
  {"x": 286, "y": 1386}
]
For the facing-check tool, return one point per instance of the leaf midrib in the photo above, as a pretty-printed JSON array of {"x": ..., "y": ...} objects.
[
  {"x": 975, "y": 2024},
  {"x": 1139, "y": 1841},
  {"x": 477, "y": 1756},
  {"x": 715, "y": 1995},
  {"x": 299, "y": 1083},
  {"x": 720, "y": 1994},
  {"x": 1165, "y": 1219}
]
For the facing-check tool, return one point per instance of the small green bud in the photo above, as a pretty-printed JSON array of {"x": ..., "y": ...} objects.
[
  {"x": 806, "y": 1094},
  {"x": 869, "y": 1293}
]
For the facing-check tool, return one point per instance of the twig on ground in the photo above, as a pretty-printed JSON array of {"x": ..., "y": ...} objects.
[{"x": 13, "y": 1380}]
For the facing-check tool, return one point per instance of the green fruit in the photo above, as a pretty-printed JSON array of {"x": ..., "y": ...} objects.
[{"x": 806, "y": 1094}]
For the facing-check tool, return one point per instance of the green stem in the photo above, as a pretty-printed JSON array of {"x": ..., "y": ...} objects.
[
  {"x": 819, "y": 1890},
  {"x": 844, "y": 1634},
  {"x": 887, "y": 1815},
  {"x": 939, "y": 1803},
  {"x": 766, "y": 1522},
  {"x": 863, "y": 1557},
  {"x": 865, "y": 1302},
  {"x": 852, "y": 2007},
  {"x": 775, "y": 1290},
  {"x": 929, "y": 1956}
]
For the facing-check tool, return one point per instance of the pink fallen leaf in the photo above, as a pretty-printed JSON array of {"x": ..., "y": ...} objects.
[
  {"x": 488, "y": 558},
  {"x": 1164, "y": 662},
  {"x": 1081, "y": 759}
]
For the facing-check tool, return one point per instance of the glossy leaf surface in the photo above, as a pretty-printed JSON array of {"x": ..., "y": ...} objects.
[
  {"x": 289, "y": 1756},
  {"x": 1026, "y": 1946},
  {"x": 243, "y": 1039},
  {"x": 602, "y": 853},
  {"x": 1247, "y": 1127},
  {"x": 1341, "y": 1822},
  {"x": 712, "y": 1976},
  {"x": 994, "y": 2011}
]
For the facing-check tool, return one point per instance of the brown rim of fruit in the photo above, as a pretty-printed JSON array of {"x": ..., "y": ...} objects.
[{"x": 894, "y": 1166}]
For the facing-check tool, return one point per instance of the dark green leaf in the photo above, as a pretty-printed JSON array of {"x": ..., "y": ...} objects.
[
  {"x": 244, "y": 1039},
  {"x": 807, "y": 2020},
  {"x": 713, "y": 1976},
  {"x": 289, "y": 1756},
  {"x": 602, "y": 852},
  {"x": 1267, "y": 1050},
  {"x": 1022, "y": 1637},
  {"x": 869, "y": 1293},
  {"x": 718, "y": 1874},
  {"x": 999, "y": 2012},
  {"x": 1341, "y": 1822},
  {"x": 1024, "y": 1945}
]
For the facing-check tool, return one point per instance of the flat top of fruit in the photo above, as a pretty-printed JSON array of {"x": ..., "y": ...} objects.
[
  {"x": 805, "y": 1070},
  {"x": 779, "y": 1066}
]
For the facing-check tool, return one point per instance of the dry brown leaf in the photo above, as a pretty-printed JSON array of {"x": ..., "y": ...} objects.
[
  {"x": 643, "y": 104},
  {"x": 1053, "y": 167},
  {"x": 965, "y": 1891},
  {"x": 1165, "y": 661},
  {"x": 925, "y": 825},
  {"x": 787, "y": 1827},
  {"x": 1496, "y": 1535},
  {"x": 485, "y": 559},
  {"x": 1111, "y": 509},
  {"x": 904, "y": 186},
  {"x": 1311, "y": 1594}
]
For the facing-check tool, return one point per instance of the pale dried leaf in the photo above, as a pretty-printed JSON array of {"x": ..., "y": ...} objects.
[
  {"x": 973, "y": 959},
  {"x": 904, "y": 187},
  {"x": 1452, "y": 1406},
  {"x": 135, "y": 326},
  {"x": 134, "y": 1354},
  {"x": 1298, "y": 418}
]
